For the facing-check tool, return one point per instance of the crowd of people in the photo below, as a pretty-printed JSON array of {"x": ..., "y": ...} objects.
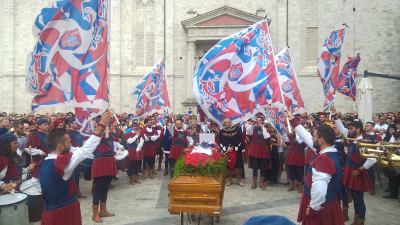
[{"x": 50, "y": 150}]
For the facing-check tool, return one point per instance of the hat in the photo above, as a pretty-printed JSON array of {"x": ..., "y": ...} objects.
[
  {"x": 7, "y": 138},
  {"x": 356, "y": 124},
  {"x": 270, "y": 220},
  {"x": 58, "y": 122},
  {"x": 42, "y": 121}
]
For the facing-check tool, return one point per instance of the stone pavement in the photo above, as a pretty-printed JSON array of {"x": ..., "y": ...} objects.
[{"x": 147, "y": 204}]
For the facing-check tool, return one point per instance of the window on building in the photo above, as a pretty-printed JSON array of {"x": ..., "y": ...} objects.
[
  {"x": 144, "y": 38},
  {"x": 311, "y": 45}
]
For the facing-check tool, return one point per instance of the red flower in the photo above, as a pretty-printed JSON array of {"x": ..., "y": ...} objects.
[{"x": 200, "y": 159}]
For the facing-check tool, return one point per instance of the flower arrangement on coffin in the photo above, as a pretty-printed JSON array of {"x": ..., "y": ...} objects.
[{"x": 203, "y": 160}]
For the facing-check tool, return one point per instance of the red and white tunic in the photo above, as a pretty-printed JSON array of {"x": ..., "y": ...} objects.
[
  {"x": 354, "y": 161},
  {"x": 295, "y": 154},
  {"x": 132, "y": 140},
  {"x": 148, "y": 141},
  {"x": 104, "y": 163},
  {"x": 180, "y": 140},
  {"x": 322, "y": 186},
  {"x": 259, "y": 145}
]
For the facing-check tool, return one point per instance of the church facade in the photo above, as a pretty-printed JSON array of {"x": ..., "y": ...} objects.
[{"x": 145, "y": 31}]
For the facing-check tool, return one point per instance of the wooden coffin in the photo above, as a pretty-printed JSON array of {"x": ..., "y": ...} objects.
[{"x": 196, "y": 194}]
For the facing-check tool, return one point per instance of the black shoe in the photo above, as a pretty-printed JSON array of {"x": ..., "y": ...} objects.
[{"x": 390, "y": 196}]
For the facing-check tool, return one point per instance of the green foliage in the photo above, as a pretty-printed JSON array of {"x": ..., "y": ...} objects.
[{"x": 210, "y": 170}]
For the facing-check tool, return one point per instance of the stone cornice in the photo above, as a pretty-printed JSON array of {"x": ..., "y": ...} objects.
[{"x": 224, "y": 10}]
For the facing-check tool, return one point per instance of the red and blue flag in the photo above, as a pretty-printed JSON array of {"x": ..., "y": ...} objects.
[
  {"x": 84, "y": 117},
  {"x": 348, "y": 76},
  {"x": 328, "y": 65},
  {"x": 276, "y": 116},
  {"x": 238, "y": 75},
  {"x": 152, "y": 93},
  {"x": 69, "y": 64},
  {"x": 288, "y": 81}
]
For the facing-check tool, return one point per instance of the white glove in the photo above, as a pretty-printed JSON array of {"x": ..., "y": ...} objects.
[{"x": 154, "y": 137}]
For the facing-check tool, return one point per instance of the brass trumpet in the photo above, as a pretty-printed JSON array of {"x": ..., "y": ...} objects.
[{"x": 386, "y": 154}]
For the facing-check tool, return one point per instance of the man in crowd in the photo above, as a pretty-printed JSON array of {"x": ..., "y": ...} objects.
[
  {"x": 355, "y": 175},
  {"x": 380, "y": 124},
  {"x": 38, "y": 140},
  {"x": 259, "y": 150},
  {"x": 179, "y": 141},
  {"x": 61, "y": 206},
  {"x": 230, "y": 139},
  {"x": 370, "y": 135},
  {"x": 4, "y": 125},
  {"x": 148, "y": 144},
  {"x": 320, "y": 203}
]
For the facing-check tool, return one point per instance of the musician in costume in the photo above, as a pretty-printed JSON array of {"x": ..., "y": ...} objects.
[
  {"x": 77, "y": 141},
  {"x": 370, "y": 136},
  {"x": 11, "y": 169},
  {"x": 259, "y": 150},
  {"x": 103, "y": 171},
  {"x": 179, "y": 141},
  {"x": 148, "y": 144},
  {"x": 392, "y": 174},
  {"x": 61, "y": 206},
  {"x": 230, "y": 140},
  {"x": 355, "y": 176},
  {"x": 132, "y": 141},
  {"x": 295, "y": 161},
  {"x": 158, "y": 142},
  {"x": 319, "y": 203},
  {"x": 39, "y": 141}
]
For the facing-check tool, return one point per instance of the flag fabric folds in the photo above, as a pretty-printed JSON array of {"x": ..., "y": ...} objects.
[
  {"x": 84, "y": 117},
  {"x": 288, "y": 81},
  {"x": 238, "y": 75},
  {"x": 69, "y": 65},
  {"x": 347, "y": 78},
  {"x": 276, "y": 116},
  {"x": 151, "y": 93},
  {"x": 328, "y": 65}
]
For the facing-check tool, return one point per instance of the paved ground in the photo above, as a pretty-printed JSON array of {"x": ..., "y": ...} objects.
[{"x": 146, "y": 204}]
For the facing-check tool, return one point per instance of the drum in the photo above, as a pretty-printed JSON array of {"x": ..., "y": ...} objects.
[
  {"x": 35, "y": 201},
  {"x": 14, "y": 209},
  {"x": 122, "y": 160}
]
